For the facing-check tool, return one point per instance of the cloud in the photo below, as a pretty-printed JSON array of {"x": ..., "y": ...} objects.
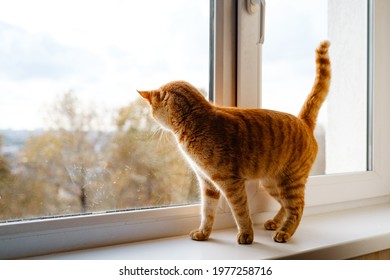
[
  {"x": 121, "y": 46},
  {"x": 25, "y": 55}
]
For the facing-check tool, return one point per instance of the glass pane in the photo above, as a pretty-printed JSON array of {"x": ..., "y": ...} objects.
[
  {"x": 293, "y": 31},
  {"x": 75, "y": 136}
]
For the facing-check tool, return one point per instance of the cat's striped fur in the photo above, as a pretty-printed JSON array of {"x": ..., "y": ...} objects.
[{"x": 227, "y": 146}]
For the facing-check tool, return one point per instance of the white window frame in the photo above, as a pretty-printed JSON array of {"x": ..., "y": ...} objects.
[
  {"x": 324, "y": 193},
  {"x": 357, "y": 189}
]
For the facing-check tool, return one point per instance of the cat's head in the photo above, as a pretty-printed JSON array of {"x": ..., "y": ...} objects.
[
  {"x": 173, "y": 103},
  {"x": 158, "y": 100}
]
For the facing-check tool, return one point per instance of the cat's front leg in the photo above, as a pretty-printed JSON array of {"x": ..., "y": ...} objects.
[
  {"x": 210, "y": 196},
  {"x": 235, "y": 193}
]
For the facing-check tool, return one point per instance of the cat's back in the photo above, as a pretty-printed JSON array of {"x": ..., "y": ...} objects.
[
  {"x": 262, "y": 141},
  {"x": 261, "y": 122}
]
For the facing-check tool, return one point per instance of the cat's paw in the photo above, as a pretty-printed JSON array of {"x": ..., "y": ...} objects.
[
  {"x": 281, "y": 236},
  {"x": 199, "y": 235},
  {"x": 245, "y": 237},
  {"x": 270, "y": 225}
]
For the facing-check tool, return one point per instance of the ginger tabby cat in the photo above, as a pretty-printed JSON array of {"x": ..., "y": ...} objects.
[{"x": 226, "y": 146}]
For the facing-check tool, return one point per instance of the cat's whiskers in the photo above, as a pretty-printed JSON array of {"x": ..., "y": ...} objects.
[{"x": 159, "y": 133}]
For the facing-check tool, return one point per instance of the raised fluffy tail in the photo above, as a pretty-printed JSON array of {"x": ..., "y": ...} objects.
[{"x": 312, "y": 105}]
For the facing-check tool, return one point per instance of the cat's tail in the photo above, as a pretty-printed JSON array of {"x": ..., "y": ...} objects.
[{"x": 312, "y": 105}]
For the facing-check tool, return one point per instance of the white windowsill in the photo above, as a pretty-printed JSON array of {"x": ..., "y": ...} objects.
[{"x": 336, "y": 235}]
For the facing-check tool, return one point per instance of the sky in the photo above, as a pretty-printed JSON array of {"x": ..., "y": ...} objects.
[
  {"x": 104, "y": 50},
  {"x": 101, "y": 50},
  {"x": 293, "y": 30}
]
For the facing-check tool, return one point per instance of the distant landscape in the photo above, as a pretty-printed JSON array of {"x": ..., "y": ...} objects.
[
  {"x": 14, "y": 140},
  {"x": 73, "y": 168}
]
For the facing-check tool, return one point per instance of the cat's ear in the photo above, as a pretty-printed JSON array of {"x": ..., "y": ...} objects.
[{"x": 146, "y": 94}]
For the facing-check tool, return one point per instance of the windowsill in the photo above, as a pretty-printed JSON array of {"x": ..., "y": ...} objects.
[{"x": 336, "y": 235}]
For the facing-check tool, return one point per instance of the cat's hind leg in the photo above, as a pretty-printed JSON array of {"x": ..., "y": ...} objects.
[
  {"x": 292, "y": 200},
  {"x": 210, "y": 196},
  {"x": 277, "y": 220},
  {"x": 274, "y": 224}
]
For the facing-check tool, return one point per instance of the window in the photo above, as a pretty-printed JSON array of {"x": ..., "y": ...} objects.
[
  {"x": 350, "y": 159},
  {"x": 288, "y": 67},
  {"x": 76, "y": 136},
  {"x": 237, "y": 62}
]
